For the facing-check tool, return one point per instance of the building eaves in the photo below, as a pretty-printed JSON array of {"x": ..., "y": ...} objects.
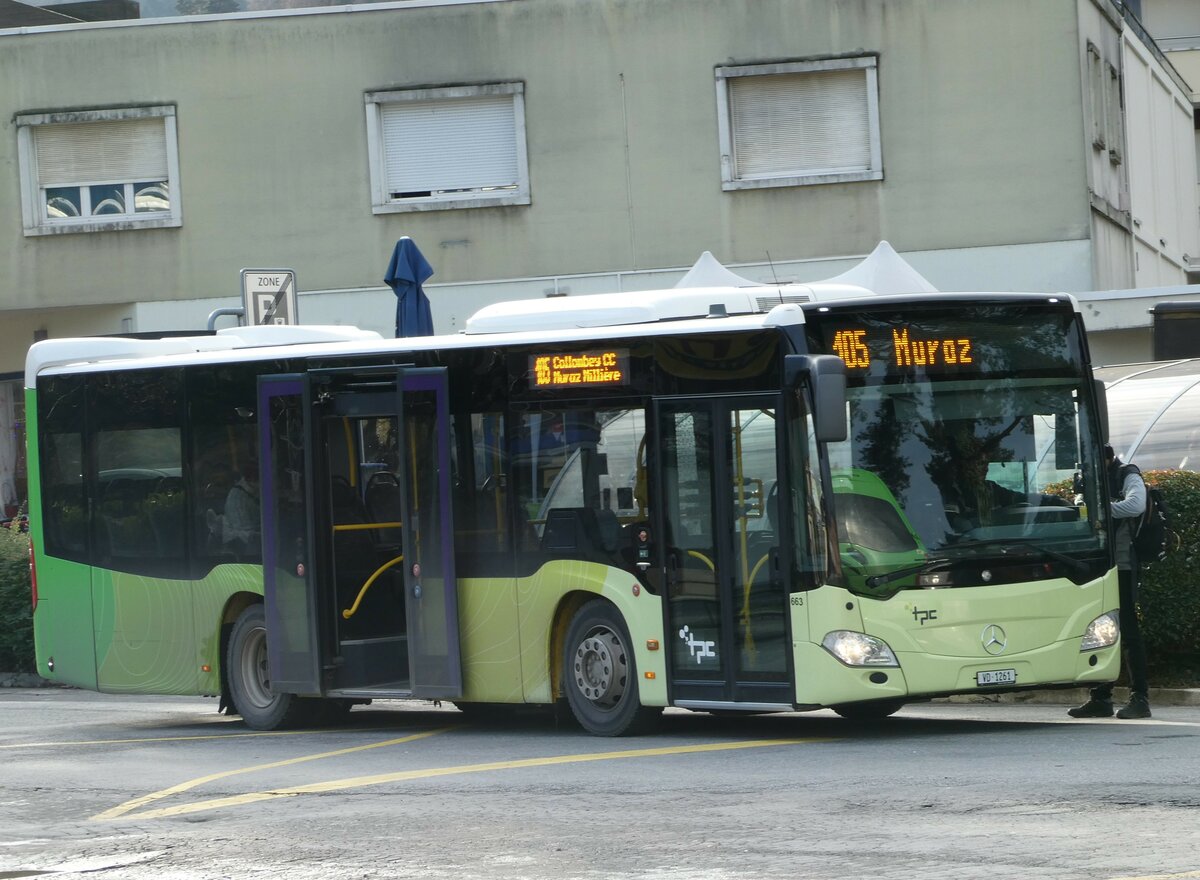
[
  {"x": 10, "y": 30},
  {"x": 14, "y": 14}
]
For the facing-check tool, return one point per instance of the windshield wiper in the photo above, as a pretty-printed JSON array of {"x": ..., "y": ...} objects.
[
  {"x": 931, "y": 564},
  {"x": 1005, "y": 546},
  {"x": 1008, "y": 545}
]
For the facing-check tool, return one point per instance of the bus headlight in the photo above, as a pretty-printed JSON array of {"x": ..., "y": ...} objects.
[
  {"x": 858, "y": 649},
  {"x": 1101, "y": 632}
]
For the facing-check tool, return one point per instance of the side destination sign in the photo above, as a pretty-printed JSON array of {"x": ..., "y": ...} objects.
[{"x": 580, "y": 368}]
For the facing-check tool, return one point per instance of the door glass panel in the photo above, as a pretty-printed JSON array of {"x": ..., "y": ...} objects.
[
  {"x": 693, "y": 591},
  {"x": 428, "y": 539},
  {"x": 760, "y": 631},
  {"x": 292, "y": 655}
]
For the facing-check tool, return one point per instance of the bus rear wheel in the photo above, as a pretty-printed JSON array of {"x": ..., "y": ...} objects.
[
  {"x": 600, "y": 674},
  {"x": 250, "y": 684}
]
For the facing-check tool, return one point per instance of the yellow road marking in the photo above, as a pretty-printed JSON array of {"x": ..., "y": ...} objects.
[
  {"x": 406, "y": 775},
  {"x": 129, "y": 806},
  {"x": 155, "y": 739}
]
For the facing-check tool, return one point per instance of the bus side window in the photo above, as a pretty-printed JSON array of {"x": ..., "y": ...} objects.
[
  {"x": 579, "y": 478},
  {"x": 480, "y": 487},
  {"x": 64, "y": 505},
  {"x": 137, "y": 417},
  {"x": 224, "y": 502}
]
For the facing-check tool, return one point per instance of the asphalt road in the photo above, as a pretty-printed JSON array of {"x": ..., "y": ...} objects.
[{"x": 135, "y": 788}]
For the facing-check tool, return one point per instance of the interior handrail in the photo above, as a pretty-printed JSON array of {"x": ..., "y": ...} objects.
[{"x": 349, "y": 612}]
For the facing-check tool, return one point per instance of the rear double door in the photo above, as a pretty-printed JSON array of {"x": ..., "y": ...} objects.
[
  {"x": 727, "y": 623},
  {"x": 359, "y": 577}
]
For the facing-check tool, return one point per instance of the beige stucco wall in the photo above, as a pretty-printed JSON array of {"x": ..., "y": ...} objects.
[{"x": 981, "y": 146}]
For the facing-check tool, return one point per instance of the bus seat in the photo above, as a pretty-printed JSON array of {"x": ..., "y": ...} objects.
[
  {"x": 609, "y": 529},
  {"x": 383, "y": 504},
  {"x": 382, "y": 497},
  {"x": 352, "y": 548}
]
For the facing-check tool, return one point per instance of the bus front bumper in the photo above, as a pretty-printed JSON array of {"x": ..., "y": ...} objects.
[{"x": 823, "y": 680}]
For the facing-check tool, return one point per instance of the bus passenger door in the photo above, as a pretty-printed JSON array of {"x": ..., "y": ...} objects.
[
  {"x": 431, "y": 595},
  {"x": 718, "y": 466},
  {"x": 285, "y": 471},
  {"x": 385, "y": 553}
]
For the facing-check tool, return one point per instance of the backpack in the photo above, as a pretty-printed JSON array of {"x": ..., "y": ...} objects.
[{"x": 1152, "y": 538}]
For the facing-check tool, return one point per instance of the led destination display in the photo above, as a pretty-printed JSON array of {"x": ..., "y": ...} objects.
[
  {"x": 957, "y": 342},
  {"x": 908, "y": 349},
  {"x": 579, "y": 369}
]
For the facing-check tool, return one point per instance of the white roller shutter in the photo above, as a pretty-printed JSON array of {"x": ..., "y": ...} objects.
[
  {"x": 101, "y": 152},
  {"x": 804, "y": 123},
  {"x": 452, "y": 144}
]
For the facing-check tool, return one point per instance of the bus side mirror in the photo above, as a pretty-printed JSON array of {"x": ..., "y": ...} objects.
[
  {"x": 1101, "y": 408},
  {"x": 826, "y": 377}
]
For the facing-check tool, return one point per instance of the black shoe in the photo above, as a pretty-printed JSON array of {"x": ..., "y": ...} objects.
[
  {"x": 1137, "y": 707},
  {"x": 1094, "y": 708}
]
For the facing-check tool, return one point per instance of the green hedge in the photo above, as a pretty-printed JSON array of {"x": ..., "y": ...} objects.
[
  {"x": 1169, "y": 596},
  {"x": 16, "y": 617}
]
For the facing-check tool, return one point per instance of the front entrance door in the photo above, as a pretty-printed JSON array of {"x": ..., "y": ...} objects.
[{"x": 726, "y": 599}]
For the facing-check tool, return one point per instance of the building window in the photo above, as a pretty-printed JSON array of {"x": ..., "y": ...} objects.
[
  {"x": 1116, "y": 116},
  {"x": 1107, "y": 108},
  {"x": 99, "y": 170},
  {"x": 799, "y": 123},
  {"x": 461, "y": 147},
  {"x": 1097, "y": 94}
]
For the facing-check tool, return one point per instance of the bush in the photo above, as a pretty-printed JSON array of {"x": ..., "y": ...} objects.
[
  {"x": 1169, "y": 591},
  {"x": 1169, "y": 595},
  {"x": 16, "y": 615}
]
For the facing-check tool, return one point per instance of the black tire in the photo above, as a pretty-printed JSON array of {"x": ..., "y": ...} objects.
[
  {"x": 249, "y": 684},
  {"x": 869, "y": 711},
  {"x": 600, "y": 674}
]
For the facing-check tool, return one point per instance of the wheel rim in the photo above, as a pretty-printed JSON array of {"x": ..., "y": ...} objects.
[
  {"x": 254, "y": 669},
  {"x": 601, "y": 668}
]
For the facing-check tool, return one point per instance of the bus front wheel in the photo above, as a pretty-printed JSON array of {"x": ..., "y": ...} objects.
[
  {"x": 249, "y": 683},
  {"x": 600, "y": 674},
  {"x": 869, "y": 711}
]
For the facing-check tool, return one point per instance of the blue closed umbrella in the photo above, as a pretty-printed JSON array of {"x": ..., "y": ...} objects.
[{"x": 407, "y": 271}]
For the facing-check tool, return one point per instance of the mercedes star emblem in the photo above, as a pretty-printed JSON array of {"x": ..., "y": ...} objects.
[{"x": 994, "y": 639}]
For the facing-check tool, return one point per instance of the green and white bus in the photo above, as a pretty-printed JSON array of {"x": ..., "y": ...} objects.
[{"x": 725, "y": 500}]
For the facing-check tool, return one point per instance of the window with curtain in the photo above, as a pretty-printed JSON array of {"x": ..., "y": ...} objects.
[
  {"x": 92, "y": 171},
  {"x": 459, "y": 147},
  {"x": 796, "y": 123}
]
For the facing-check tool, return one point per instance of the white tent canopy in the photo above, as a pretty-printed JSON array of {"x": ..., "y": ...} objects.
[
  {"x": 884, "y": 271},
  {"x": 708, "y": 272}
]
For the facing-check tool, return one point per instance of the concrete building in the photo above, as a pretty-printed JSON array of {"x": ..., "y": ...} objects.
[
  {"x": 1175, "y": 27},
  {"x": 535, "y": 147}
]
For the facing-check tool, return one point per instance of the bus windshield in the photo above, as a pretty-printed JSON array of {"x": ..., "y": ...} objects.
[{"x": 963, "y": 441}]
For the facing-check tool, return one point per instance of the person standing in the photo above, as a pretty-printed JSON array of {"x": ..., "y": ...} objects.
[
  {"x": 241, "y": 515},
  {"x": 1128, "y": 491}
]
